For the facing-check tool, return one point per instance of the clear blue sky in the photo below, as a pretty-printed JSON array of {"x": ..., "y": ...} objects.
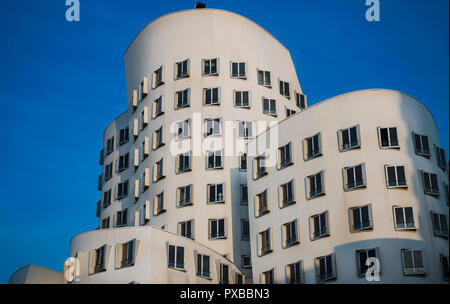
[{"x": 61, "y": 83}]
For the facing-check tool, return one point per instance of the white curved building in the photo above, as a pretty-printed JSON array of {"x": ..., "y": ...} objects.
[{"x": 362, "y": 176}]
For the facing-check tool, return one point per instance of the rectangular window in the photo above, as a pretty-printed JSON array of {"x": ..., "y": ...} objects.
[
  {"x": 176, "y": 257},
  {"x": 246, "y": 261},
  {"x": 144, "y": 118},
  {"x": 265, "y": 244},
  {"x": 183, "y": 162},
  {"x": 203, "y": 266},
  {"x": 182, "y": 69},
  {"x": 143, "y": 89},
  {"x": 264, "y": 78},
  {"x": 242, "y": 99},
  {"x": 285, "y": 156},
  {"x": 395, "y": 177},
  {"x": 315, "y": 185},
  {"x": 158, "y": 77},
  {"x": 290, "y": 112},
  {"x": 106, "y": 198},
  {"x": 430, "y": 184},
  {"x": 404, "y": 218},
  {"x": 214, "y": 160},
  {"x": 224, "y": 274},
  {"x": 445, "y": 266},
  {"x": 287, "y": 194},
  {"x": 300, "y": 101},
  {"x": 259, "y": 167},
  {"x": 245, "y": 230},
  {"x": 110, "y": 145},
  {"x": 441, "y": 158},
  {"x": 108, "y": 171},
  {"x": 262, "y": 205},
  {"x": 243, "y": 162},
  {"x": 158, "y": 139},
  {"x": 245, "y": 129},
  {"x": 217, "y": 229},
  {"x": 213, "y": 127},
  {"x": 238, "y": 70},
  {"x": 158, "y": 107},
  {"x": 122, "y": 218},
  {"x": 183, "y": 130},
  {"x": 294, "y": 273},
  {"x": 312, "y": 147},
  {"x": 122, "y": 190},
  {"x": 158, "y": 204},
  {"x": 216, "y": 193},
  {"x": 361, "y": 259},
  {"x": 326, "y": 268},
  {"x": 124, "y": 162},
  {"x": 211, "y": 96},
  {"x": 182, "y": 99},
  {"x": 290, "y": 234},
  {"x": 440, "y": 226},
  {"x": 186, "y": 229},
  {"x": 105, "y": 223},
  {"x": 349, "y": 138},
  {"x": 412, "y": 262},
  {"x": 354, "y": 177},
  {"x": 100, "y": 259},
  {"x": 158, "y": 172},
  {"x": 211, "y": 67},
  {"x": 244, "y": 195},
  {"x": 447, "y": 192},
  {"x": 101, "y": 157},
  {"x": 284, "y": 89},
  {"x": 388, "y": 138},
  {"x": 421, "y": 145},
  {"x": 127, "y": 253},
  {"x": 360, "y": 218},
  {"x": 269, "y": 106},
  {"x": 319, "y": 226},
  {"x": 184, "y": 195},
  {"x": 124, "y": 136},
  {"x": 267, "y": 277}
]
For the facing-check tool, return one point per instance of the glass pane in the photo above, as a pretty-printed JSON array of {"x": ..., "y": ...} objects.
[
  {"x": 365, "y": 216},
  {"x": 393, "y": 135},
  {"x": 384, "y": 136},
  {"x": 443, "y": 221},
  {"x": 213, "y": 229},
  {"x": 391, "y": 176},
  {"x": 180, "y": 257},
  {"x": 399, "y": 219},
  {"x": 356, "y": 218},
  {"x": 234, "y": 69},
  {"x": 221, "y": 227},
  {"x": 407, "y": 259},
  {"x": 417, "y": 259},
  {"x": 238, "y": 98},
  {"x": 359, "y": 175},
  {"x": 350, "y": 178},
  {"x": 242, "y": 69},
  {"x": 354, "y": 137},
  {"x": 409, "y": 217},
  {"x": 171, "y": 256},
  {"x": 401, "y": 176}
]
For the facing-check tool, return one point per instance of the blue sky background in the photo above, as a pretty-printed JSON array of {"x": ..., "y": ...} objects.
[{"x": 61, "y": 84}]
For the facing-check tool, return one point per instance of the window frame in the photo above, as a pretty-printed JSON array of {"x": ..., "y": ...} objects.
[
  {"x": 218, "y": 222},
  {"x": 352, "y": 145},
  {"x": 184, "y": 73},
  {"x": 397, "y": 184},
  {"x": 235, "y": 99},
  {"x": 391, "y": 144},
  {"x": 345, "y": 176},
  {"x": 270, "y": 102},
  {"x": 239, "y": 76},
  {"x": 412, "y": 270},
  {"x": 206, "y": 73},
  {"x": 266, "y": 78},
  {"x": 351, "y": 214}
]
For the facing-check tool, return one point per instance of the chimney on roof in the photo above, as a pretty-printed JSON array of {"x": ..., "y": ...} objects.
[{"x": 200, "y": 5}]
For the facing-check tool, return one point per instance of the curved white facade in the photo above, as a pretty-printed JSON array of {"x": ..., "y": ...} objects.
[{"x": 342, "y": 238}]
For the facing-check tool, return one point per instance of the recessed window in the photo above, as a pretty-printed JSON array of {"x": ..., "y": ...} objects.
[
  {"x": 354, "y": 177},
  {"x": 360, "y": 218},
  {"x": 290, "y": 112},
  {"x": 300, "y": 100},
  {"x": 245, "y": 129},
  {"x": 101, "y": 157},
  {"x": 184, "y": 196},
  {"x": 105, "y": 223},
  {"x": 246, "y": 261},
  {"x": 182, "y": 69},
  {"x": 238, "y": 70},
  {"x": 264, "y": 78},
  {"x": 243, "y": 162},
  {"x": 395, "y": 177},
  {"x": 183, "y": 162},
  {"x": 269, "y": 106},
  {"x": 245, "y": 230},
  {"x": 242, "y": 99},
  {"x": 326, "y": 268},
  {"x": 158, "y": 107},
  {"x": 144, "y": 118},
  {"x": 99, "y": 259},
  {"x": 124, "y": 136},
  {"x": 421, "y": 145},
  {"x": 294, "y": 273},
  {"x": 265, "y": 244},
  {"x": 349, "y": 138},
  {"x": 211, "y": 96},
  {"x": 126, "y": 254},
  {"x": 388, "y": 138},
  {"x": 107, "y": 198},
  {"x": 259, "y": 167},
  {"x": 224, "y": 274},
  {"x": 267, "y": 277},
  {"x": 143, "y": 89},
  {"x": 412, "y": 262},
  {"x": 287, "y": 194},
  {"x": 404, "y": 218},
  {"x": 315, "y": 185},
  {"x": 176, "y": 257},
  {"x": 284, "y": 89},
  {"x": 312, "y": 147},
  {"x": 145, "y": 180},
  {"x": 183, "y": 130},
  {"x": 108, "y": 171},
  {"x": 440, "y": 226},
  {"x": 319, "y": 226},
  {"x": 145, "y": 147},
  {"x": 186, "y": 229},
  {"x": 146, "y": 213},
  {"x": 362, "y": 257},
  {"x": 217, "y": 229},
  {"x": 124, "y": 162},
  {"x": 158, "y": 77},
  {"x": 182, "y": 99},
  {"x": 110, "y": 145},
  {"x": 290, "y": 234},
  {"x": 158, "y": 172},
  {"x": 244, "y": 194},
  {"x": 285, "y": 156},
  {"x": 216, "y": 193},
  {"x": 158, "y": 139},
  {"x": 158, "y": 204},
  {"x": 211, "y": 67},
  {"x": 446, "y": 190},
  {"x": 203, "y": 266},
  {"x": 444, "y": 266},
  {"x": 214, "y": 160},
  {"x": 122, "y": 190},
  {"x": 430, "y": 183},
  {"x": 213, "y": 127},
  {"x": 261, "y": 204},
  {"x": 441, "y": 158}
]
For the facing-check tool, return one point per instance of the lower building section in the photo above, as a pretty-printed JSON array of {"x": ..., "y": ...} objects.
[
  {"x": 34, "y": 274},
  {"x": 145, "y": 255}
]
